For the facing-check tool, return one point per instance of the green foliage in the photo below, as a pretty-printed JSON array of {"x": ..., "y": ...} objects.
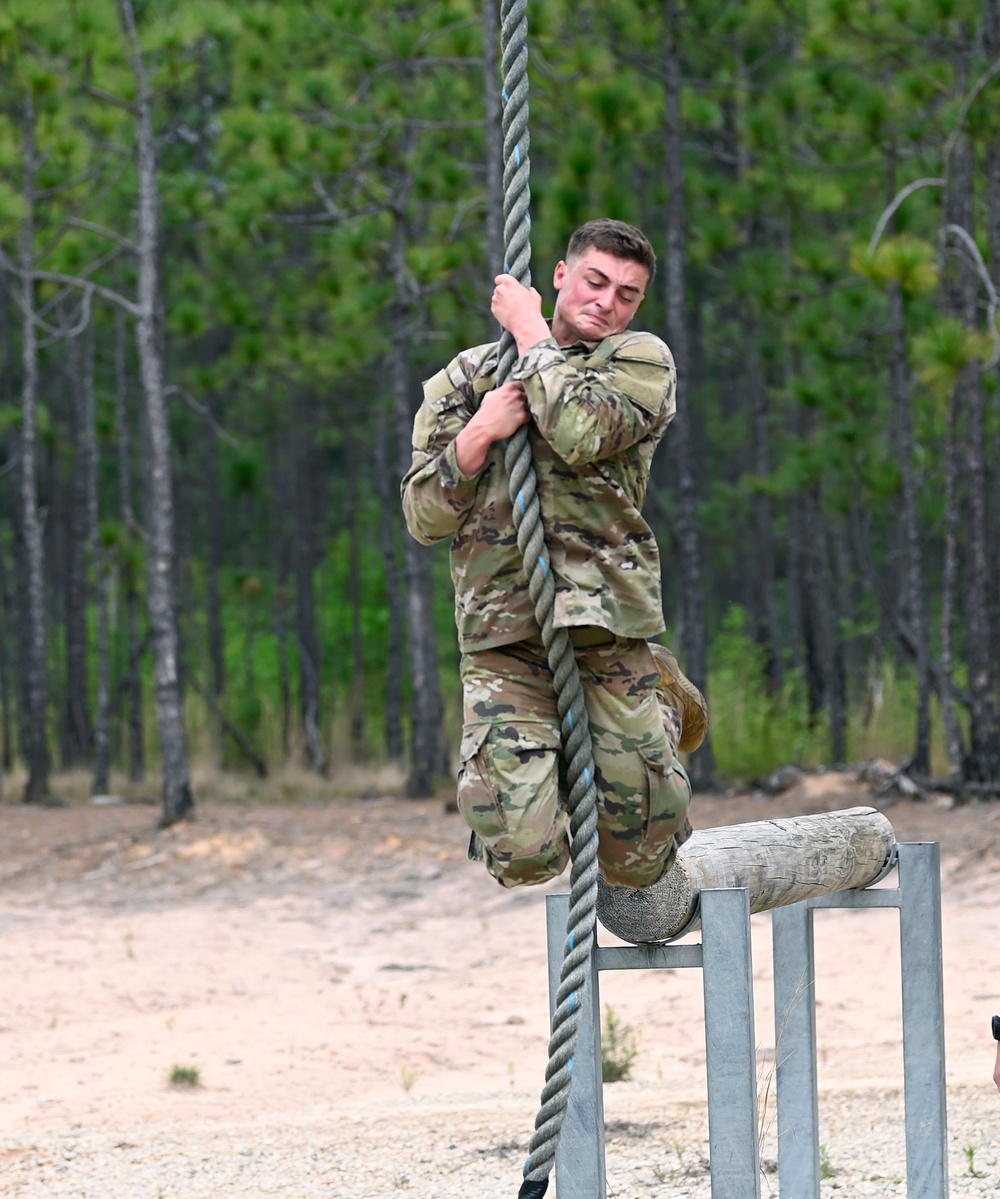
[
  {"x": 298, "y": 141},
  {"x": 755, "y": 730},
  {"x": 618, "y": 1048},
  {"x": 185, "y": 1077}
]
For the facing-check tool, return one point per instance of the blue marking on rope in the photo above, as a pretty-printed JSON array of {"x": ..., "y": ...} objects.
[
  {"x": 569, "y": 717},
  {"x": 506, "y": 267},
  {"x": 527, "y": 219},
  {"x": 571, "y": 1004},
  {"x": 569, "y": 1065},
  {"x": 520, "y": 502},
  {"x": 586, "y": 775},
  {"x": 517, "y": 155},
  {"x": 543, "y": 564},
  {"x": 505, "y": 96},
  {"x": 572, "y": 935}
]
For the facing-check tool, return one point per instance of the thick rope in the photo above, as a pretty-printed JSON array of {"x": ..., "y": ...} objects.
[{"x": 576, "y": 743}]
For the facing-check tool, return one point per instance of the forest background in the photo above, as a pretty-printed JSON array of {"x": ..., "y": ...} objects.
[{"x": 234, "y": 237}]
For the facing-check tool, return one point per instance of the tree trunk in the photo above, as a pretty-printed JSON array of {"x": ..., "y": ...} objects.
[
  {"x": 826, "y": 685},
  {"x": 36, "y": 748},
  {"x": 303, "y": 559},
  {"x": 982, "y": 762},
  {"x": 8, "y": 617},
  {"x": 692, "y": 649},
  {"x": 952, "y": 734},
  {"x": 102, "y": 575},
  {"x": 281, "y": 558},
  {"x": 357, "y": 709},
  {"x": 493, "y": 148},
  {"x": 913, "y": 591},
  {"x": 76, "y": 717},
  {"x": 284, "y": 674},
  {"x": 177, "y": 797},
  {"x": 388, "y": 504},
  {"x": 768, "y": 625},
  {"x": 428, "y": 752},
  {"x": 8, "y": 620},
  {"x": 213, "y": 565},
  {"x": 213, "y": 606},
  {"x": 133, "y": 656}
]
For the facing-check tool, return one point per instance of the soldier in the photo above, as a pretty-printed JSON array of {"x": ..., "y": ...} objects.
[{"x": 596, "y": 399}]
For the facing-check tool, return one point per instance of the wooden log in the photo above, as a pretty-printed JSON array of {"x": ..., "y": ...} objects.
[{"x": 778, "y": 861}]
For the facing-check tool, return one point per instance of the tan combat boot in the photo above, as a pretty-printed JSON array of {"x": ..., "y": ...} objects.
[{"x": 678, "y": 694}]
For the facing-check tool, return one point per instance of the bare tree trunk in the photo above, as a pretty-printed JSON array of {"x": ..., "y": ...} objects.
[
  {"x": 493, "y": 147},
  {"x": 692, "y": 650},
  {"x": 357, "y": 710},
  {"x": 76, "y": 717},
  {"x": 991, "y": 44},
  {"x": 8, "y": 620},
  {"x": 983, "y": 760},
  {"x": 177, "y": 797},
  {"x": 303, "y": 558},
  {"x": 102, "y": 574},
  {"x": 213, "y": 605},
  {"x": 136, "y": 768},
  {"x": 825, "y": 673},
  {"x": 388, "y": 503},
  {"x": 284, "y": 675},
  {"x": 281, "y": 551},
  {"x": 36, "y": 749},
  {"x": 993, "y": 230},
  {"x": 8, "y": 616},
  {"x": 768, "y": 630},
  {"x": 899, "y": 386},
  {"x": 428, "y": 753},
  {"x": 952, "y": 735}
]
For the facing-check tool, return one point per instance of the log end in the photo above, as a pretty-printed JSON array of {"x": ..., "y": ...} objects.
[{"x": 778, "y": 861}]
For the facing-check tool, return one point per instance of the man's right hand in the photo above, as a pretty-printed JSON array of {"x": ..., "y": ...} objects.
[{"x": 501, "y": 413}]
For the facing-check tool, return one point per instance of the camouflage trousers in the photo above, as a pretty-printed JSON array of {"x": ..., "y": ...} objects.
[{"x": 511, "y": 786}]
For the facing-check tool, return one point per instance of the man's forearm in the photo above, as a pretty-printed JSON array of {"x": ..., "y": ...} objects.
[{"x": 472, "y": 445}]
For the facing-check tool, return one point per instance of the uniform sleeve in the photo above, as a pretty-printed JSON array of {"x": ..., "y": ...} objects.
[
  {"x": 594, "y": 410},
  {"x": 436, "y": 495}
]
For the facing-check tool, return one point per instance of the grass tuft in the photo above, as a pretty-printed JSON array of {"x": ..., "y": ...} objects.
[
  {"x": 618, "y": 1048},
  {"x": 182, "y": 1077}
]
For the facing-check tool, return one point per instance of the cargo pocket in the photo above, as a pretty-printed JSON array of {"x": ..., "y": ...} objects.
[
  {"x": 665, "y": 804},
  {"x": 477, "y": 797},
  {"x": 508, "y": 789}
]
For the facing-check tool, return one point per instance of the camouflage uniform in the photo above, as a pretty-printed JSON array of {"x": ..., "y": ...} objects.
[{"x": 598, "y": 412}]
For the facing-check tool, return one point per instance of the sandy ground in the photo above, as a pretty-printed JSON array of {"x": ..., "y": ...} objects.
[{"x": 367, "y": 1010}]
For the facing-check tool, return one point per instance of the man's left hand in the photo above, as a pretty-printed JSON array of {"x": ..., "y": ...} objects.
[{"x": 519, "y": 310}]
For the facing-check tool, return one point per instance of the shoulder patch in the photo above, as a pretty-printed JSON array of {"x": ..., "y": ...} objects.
[{"x": 637, "y": 346}]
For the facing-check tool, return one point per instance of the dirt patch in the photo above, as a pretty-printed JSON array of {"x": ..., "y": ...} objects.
[{"x": 345, "y": 956}]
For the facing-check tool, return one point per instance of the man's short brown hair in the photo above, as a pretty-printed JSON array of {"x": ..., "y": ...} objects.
[{"x": 614, "y": 237}]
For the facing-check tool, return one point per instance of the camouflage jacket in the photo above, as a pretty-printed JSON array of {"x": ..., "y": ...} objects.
[{"x": 599, "y": 412}]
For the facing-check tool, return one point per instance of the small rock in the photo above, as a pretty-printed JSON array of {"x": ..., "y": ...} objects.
[{"x": 783, "y": 779}]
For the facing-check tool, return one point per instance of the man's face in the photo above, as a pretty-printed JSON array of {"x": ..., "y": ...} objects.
[{"x": 598, "y": 295}]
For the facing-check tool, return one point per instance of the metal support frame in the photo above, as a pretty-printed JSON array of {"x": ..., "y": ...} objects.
[{"x": 727, "y": 974}]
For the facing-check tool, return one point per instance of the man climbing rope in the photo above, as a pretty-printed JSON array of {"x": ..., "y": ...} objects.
[{"x": 597, "y": 399}]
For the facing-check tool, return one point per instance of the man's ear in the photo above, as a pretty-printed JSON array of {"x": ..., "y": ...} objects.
[{"x": 558, "y": 275}]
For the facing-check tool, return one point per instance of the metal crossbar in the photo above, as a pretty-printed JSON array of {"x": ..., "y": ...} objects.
[{"x": 727, "y": 973}]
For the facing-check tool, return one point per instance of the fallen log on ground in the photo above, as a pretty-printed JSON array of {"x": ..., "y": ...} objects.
[{"x": 778, "y": 861}]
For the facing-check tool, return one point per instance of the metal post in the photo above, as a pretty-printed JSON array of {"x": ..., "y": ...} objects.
[
  {"x": 923, "y": 1020},
  {"x": 796, "y": 1096},
  {"x": 730, "y": 1044},
  {"x": 580, "y": 1155}
]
